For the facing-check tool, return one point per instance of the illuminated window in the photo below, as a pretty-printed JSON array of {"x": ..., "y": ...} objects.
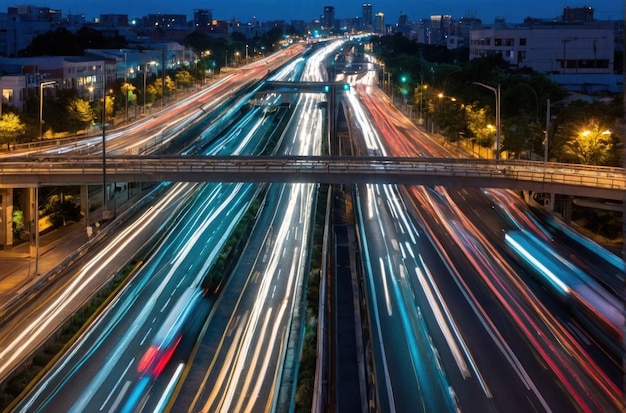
[{"x": 7, "y": 95}]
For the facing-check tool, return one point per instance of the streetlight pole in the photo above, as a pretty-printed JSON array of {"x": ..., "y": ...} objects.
[
  {"x": 126, "y": 84},
  {"x": 105, "y": 211},
  {"x": 496, "y": 91},
  {"x": 41, "y": 86}
]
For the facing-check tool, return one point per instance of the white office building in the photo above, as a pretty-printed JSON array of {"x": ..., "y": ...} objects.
[{"x": 580, "y": 57}]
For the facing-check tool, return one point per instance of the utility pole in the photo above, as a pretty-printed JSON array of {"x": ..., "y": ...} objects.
[
  {"x": 41, "y": 86},
  {"x": 163, "y": 67},
  {"x": 497, "y": 93},
  {"x": 104, "y": 141}
]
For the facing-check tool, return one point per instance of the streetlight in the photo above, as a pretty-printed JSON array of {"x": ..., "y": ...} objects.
[
  {"x": 205, "y": 63},
  {"x": 246, "y": 54},
  {"x": 497, "y": 93},
  {"x": 423, "y": 87},
  {"x": 41, "y": 86},
  {"x": 106, "y": 214},
  {"x": 126, "y": 84},
  {"x": 146, "y": 66}
]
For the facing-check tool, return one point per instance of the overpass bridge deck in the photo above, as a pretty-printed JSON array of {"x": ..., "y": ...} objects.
[{"x": 581, "y": 180}]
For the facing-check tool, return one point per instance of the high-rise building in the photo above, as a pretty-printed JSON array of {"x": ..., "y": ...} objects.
[
  {"x": 439, "y": 29},
  {"x": 403, "y": 20},
  {"x": 379, "y": 22},
  {"x": 202, "y": 19},
  {"x": 367, "y": 15},
  {"x": 328, "y": 18}
]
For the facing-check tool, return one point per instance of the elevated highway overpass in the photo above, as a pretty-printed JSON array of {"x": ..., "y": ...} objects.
[{"x": 571, "y": 179}]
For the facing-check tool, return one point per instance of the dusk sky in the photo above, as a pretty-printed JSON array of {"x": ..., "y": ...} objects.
[{"x": 244, "y": 10}]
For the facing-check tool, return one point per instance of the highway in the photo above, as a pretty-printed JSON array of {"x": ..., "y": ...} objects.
[
  {"x": 248, "y": 358},
  {"x": 122, "y": 336},
  {"x": 458, "y": 321},
  {"x": 518, "y": 323},
  {"x": 416, "y": 324},
  {"x": 143, "y": 225},
  {"x": 182, "y": 257}
]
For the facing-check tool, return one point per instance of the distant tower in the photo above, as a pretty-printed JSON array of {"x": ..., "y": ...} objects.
[
  {"x": 379, "y": 22},
  {"x": 328, "y": 19},
  {"x": 367, "y": 16},
  {"x": 202, "y": 19},
  {"x": 403, "y": 20}
]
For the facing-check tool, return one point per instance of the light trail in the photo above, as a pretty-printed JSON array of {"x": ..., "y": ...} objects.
[{"x": 62, "y": 302}]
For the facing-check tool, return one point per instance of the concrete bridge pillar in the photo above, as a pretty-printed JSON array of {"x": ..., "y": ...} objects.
[
  {"x": 84, "y": 202},
  {"x": 6, "y": 218},
  {"x": 568, "y": 208},
  {"x": 31, "y": 218}
]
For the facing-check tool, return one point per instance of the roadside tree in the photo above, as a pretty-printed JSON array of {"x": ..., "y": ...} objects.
[
  {"x": 11, "y": 128},
  {"x": 79, "y": 115}
]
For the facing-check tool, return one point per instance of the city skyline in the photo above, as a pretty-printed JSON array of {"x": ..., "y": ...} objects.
[{"x": 263, "y": 10}]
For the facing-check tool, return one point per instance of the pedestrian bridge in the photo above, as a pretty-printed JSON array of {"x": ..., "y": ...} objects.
[{"x": 549, "y": 177}]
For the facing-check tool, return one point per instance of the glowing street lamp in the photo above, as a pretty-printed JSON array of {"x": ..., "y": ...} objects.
[
  {"x": 41, "y": 86},
  {"x": 496, "y": 91}
]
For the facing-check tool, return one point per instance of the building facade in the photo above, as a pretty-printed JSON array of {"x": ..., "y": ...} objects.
[
  {"x": 328, "y": 18},
  {"x": 379, "y": 23},
  {"x": 367, "y": 16},
  {"x": 21, "y": 24},
  {"x": 580, "y": 57},
  {"x": 202, "y": 20}
]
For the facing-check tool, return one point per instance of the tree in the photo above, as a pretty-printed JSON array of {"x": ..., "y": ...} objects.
[
  {"x": 183, "y": 78},
  {"x": 450, "y": 116},
  {"x": 110, "y": 109},
  {"x": 590, "y": 146},
  {"x": 156, "y": 88},
  {"x": 79, "y": 115},
  {"x": 270, "y": 40},
  {"x": 61, "y": 42},
  {"x": 65, "y": 212},
  {"x": 521, "y": 133},
  {"x": 151, "y": 93},
  {"x": 129, "y": 98},
  {"x": 478, "y": 126},
  {"x": 569, "y": 121},
  {"x": 11, "y": 128}
]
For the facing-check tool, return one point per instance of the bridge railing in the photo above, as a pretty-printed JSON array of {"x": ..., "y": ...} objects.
[{"x": 550, "y": 172}]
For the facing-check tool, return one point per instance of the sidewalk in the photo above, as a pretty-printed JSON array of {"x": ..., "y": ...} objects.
[{"x": 18, "y": 269}]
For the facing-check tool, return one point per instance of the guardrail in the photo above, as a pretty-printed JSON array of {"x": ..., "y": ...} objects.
[{"x": 582, "y": 180}]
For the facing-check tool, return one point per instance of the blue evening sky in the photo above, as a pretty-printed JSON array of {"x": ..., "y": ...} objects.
[{"x": 244, "y": 10}]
